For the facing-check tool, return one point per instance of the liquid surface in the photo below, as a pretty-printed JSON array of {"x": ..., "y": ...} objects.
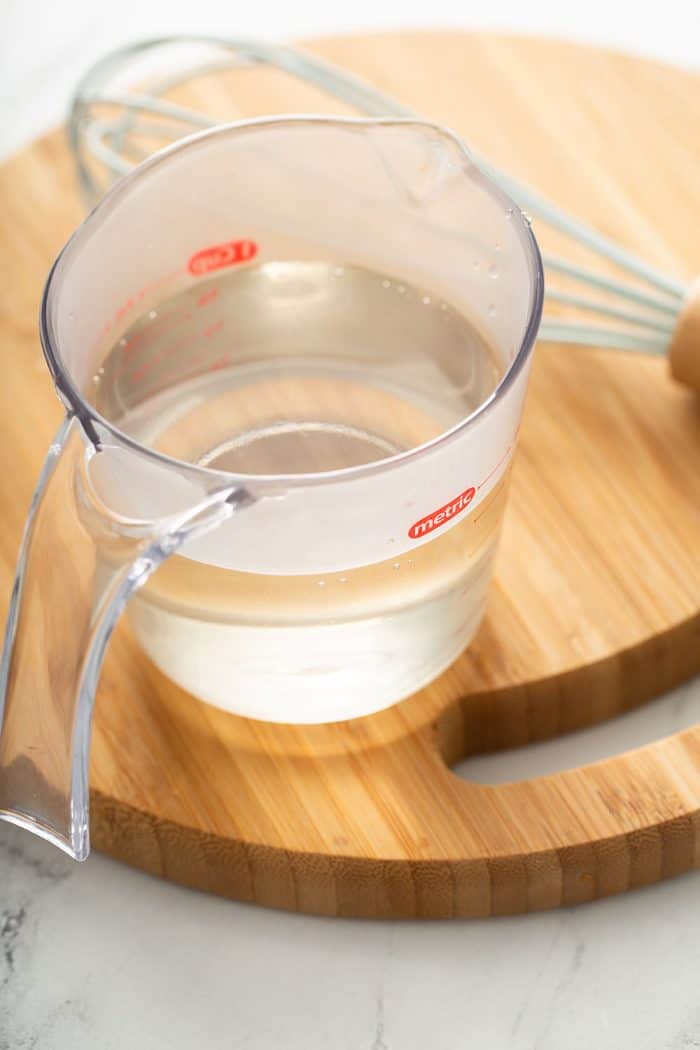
[{"x": 293, "y": 368}]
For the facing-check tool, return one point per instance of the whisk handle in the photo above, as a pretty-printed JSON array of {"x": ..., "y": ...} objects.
[{"x": 684, "y": 351}]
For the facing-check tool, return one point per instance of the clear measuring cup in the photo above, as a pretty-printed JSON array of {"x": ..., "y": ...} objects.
[{"x": 293, "y": 354}]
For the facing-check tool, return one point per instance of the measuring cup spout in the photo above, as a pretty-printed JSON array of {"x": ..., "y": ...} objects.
[{"x": 78, "y": 565}]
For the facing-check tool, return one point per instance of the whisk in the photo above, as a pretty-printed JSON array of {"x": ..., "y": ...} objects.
[{"x": 114, "y": 125}]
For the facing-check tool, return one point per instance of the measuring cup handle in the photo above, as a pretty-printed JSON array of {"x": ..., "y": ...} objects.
[{"x": 77, "y": 569}]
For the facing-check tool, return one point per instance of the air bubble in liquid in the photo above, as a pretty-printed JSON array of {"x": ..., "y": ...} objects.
[
  {"x": 492, "y": 310},
  {"x": 494, "y": 272}
]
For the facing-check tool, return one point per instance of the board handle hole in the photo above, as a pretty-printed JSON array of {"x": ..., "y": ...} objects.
[{"x": 677, "y": 710}]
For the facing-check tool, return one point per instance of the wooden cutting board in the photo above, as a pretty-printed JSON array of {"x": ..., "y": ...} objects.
[{"x": 596, "y": 603}]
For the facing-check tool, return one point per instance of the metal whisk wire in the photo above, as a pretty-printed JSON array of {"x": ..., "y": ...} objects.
[{"x": 106, "y": 124}]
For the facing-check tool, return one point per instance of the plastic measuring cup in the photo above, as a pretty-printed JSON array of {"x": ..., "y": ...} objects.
[{"x": 273, "y": 342}]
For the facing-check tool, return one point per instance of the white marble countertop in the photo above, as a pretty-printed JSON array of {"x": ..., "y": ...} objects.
[
  {"x": 104, "y": 957},
  {"x": 100, "y": 957}
]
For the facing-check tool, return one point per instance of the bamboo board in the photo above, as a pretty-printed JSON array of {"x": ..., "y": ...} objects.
[{"x": 596, "y": 606}]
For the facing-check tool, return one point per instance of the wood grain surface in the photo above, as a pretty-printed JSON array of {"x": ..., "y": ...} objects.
[{"x": 596, "y": 605}]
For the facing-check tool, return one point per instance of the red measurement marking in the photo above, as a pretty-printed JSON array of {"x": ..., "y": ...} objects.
[
  {"x": 208, "y": 297},
  {"x": 140, "y": 374},
  {"x": 220, "y": 363},
  {"x": 131, "y": 343},
  {"x": 442, "y": 515},
  {"x": 213, "y": 328},
  {"x": 167, "y": 351},
  {"x": 220, "y": 255},
  {"x": 132, "y": 302},
  {"x": 125, "y": 308},
  {"x": 158, "y": 327},
  {"x": 450, "y": 511},
  {"x": 500, "y": 463}
]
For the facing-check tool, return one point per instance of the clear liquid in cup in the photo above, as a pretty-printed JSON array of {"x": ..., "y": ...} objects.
[{"x": 295, "y": 368}]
